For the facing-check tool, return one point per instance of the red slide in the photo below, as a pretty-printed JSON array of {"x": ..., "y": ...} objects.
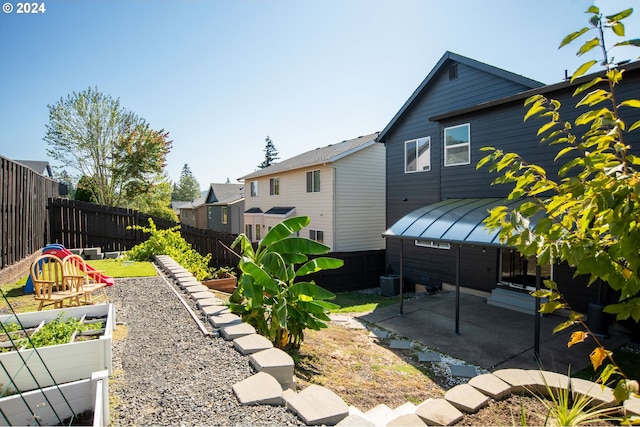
[{"x": 61, "y": 252}]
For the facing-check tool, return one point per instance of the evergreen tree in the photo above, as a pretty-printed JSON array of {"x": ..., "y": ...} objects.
[
  {"x": 270, "y": 154},
  {"x": 187, "y": 187}
]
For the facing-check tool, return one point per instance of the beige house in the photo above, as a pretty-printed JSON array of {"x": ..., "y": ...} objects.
[
  {"x": 194, "y": 213},
  {"x": 341, "y": 187}
]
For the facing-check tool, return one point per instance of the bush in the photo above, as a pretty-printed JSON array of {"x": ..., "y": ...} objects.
[{"x": 170, "y": 242}]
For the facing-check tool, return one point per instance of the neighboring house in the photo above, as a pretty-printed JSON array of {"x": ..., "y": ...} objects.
[
  {"x": 194, "y": 213},
  {"x": 225, "y": 207},
  {"x": 177, "y": 206},
  {"x": 340, "y": 187},
  {"x": 41, "y": 167},
  {"x": 432, "y": 147}
]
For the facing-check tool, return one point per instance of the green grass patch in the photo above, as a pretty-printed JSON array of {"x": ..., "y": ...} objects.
[
  {"x": 359, "y": 302},
  {"x": 120, "y": 268},
  {"x": 14, "y": 292}
]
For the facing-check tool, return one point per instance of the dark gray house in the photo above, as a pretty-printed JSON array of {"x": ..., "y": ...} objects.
[
  {"x": 432, "y": 147},
  {"x": 225, "y": 207}
]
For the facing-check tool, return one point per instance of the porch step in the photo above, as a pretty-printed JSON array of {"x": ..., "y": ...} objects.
[{"x": 513, "y": 300}]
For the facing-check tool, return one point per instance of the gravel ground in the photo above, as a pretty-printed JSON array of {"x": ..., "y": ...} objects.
[{"x": 167, "y": 372}]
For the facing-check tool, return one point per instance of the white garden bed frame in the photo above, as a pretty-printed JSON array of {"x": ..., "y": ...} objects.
[
  {"x": 57, "y": 364},
  {"x": 68, "y": 399}
]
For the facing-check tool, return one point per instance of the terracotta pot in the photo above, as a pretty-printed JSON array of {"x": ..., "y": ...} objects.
[{"x": 227, "y": 284}]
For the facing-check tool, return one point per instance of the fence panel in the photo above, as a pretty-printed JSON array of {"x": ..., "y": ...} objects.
[{"x": 23, "y": 211}]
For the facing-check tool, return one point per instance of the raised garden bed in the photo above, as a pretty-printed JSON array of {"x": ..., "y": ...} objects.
[
  {"x": 78, "y": 356},
  {"x": 226, "y": 284}
]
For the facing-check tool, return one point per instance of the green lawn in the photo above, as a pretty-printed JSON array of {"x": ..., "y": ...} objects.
[
  {"x": 21, "y": 302},
  {"x": 358, "y": 302},
  {"x": 119, "y": 268}
]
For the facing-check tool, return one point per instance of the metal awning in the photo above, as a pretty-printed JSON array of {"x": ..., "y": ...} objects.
[{"x": 458, "y": 221}]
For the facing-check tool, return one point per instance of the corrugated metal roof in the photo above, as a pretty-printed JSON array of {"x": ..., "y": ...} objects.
[
  {"x": 321, "y": 155},
  {"x": 452, "y": 221}
]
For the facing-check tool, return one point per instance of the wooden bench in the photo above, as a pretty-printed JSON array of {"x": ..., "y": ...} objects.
[{"x": 50, "y": 284}]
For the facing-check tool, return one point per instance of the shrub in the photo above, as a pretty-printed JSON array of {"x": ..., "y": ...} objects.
[{"x": 170, "y": 242}]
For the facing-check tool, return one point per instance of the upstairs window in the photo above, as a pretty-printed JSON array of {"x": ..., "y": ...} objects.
[
  {"x": 417, "y": 155},
  {"x": 313, "y": 181},
  {"x": 254, "y": 188},
  {"x": 274, "y": 186},
  {"x": 457, "y": 145},
  {"x": 223, "y": 214}
]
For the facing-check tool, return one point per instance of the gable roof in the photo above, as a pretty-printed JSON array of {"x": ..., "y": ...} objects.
[
  {"x": 450, "y": 56},
  {"x": 224, "y": 193},
  {"x": 328, "y": 154},
  {"x": 41, "y": 167}
]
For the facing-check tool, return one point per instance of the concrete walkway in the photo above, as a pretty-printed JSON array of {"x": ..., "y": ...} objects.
[{"x": 490, "y": 337}]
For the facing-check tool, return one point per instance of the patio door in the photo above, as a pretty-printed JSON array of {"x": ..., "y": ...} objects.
[{"x": 519, "y": 271}]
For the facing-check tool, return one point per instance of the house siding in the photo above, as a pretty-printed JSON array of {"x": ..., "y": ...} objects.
[
  {"x": 499, "y": 126},
  {"x": 360, "y": 200},
  {"x": 293, "y": 193}
]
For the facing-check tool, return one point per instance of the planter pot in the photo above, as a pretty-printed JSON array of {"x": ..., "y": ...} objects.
[
  {"x": 57, "y": 364},
  {"x": 227, "y": 284}
]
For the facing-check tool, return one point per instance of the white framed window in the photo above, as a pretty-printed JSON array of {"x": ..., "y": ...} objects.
[
  {"x": 247, "y": 230},
  {"x": 223, "y": 214},
  {"x": 313, "y": 181},
  {"x": 274, "y": 186},
  {"x": 254, "y": 188},
  {"x": 258, "y": 237},
  {"x": 209, "y": 212},
  {"x": 316, "y": 235},
  {"x": 417, "y": 155},
  {"x": 457, "y": 145},
  {"x": 432, "y": 244}
]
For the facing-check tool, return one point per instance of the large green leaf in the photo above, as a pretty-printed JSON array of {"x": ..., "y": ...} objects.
[
  {"x": 284, "y": 229},
  {"x": 298, "y": 245},
  {"x": 319, "y": 264},
  {"x": 260, "y": 276},
  {"x": 312, "y": 290}
]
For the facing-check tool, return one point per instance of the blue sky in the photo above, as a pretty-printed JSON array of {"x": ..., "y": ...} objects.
[{"x": 221, "y": 75}]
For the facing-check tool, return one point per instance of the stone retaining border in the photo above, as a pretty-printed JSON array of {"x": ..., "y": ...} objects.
[{"x": 274, "y": 383}]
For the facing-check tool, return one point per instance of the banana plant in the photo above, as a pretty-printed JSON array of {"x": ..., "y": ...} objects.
[{"x": 271, "y": 294}]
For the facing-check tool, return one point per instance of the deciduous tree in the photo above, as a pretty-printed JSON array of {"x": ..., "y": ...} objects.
[{"x": 93, "y": 134}]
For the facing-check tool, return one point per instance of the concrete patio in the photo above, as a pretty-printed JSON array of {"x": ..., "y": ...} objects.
[{"x": 490, "y": 337}]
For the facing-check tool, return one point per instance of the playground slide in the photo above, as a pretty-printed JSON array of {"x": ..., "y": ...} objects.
[{"x": 61, "y": 252}]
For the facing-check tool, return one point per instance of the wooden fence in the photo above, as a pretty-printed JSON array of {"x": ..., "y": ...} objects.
[
  {"x": 24, "y": 227},
  {"x": 78, "y": 224}
]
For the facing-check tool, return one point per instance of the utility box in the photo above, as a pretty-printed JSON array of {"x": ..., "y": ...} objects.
[{"x": 390, "y": 285}]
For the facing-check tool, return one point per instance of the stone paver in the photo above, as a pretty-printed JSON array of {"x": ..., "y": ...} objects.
[
  {"x": 275, "y": 362},
  {"x": 407, "y": 420},
  {"x": 198, "y": 288},
  {"x": 202, "y": 295},
  {"x": 464, "y": 371},
  {"x": 438, "y": 412},
  {"x": 546, "y": 381},
  {"x": 214, "y": 310},
  {"x": 518, "y": 379},
  {"x": 490, "y": 385},
  {"x": 317, "y": 405},
  {"x": 224, "y": 319},
  {"x": 400, "y": 344},
  {"x": 355, "y": 421},
  {"x": 429, "y": 356},
  {"x": 236, "y": 331},
  {"x": 380, "y": 414},
  {"x": 379, "y": 333},
  {"x": 466, "y": 398},
  {"x": 259, "y": 389},
  {"x": 209, "y": 302},
  {"x": 632, "y": 406},
  {"x": 601, "y": 396},
  {"x": 250, "y": 344}
]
